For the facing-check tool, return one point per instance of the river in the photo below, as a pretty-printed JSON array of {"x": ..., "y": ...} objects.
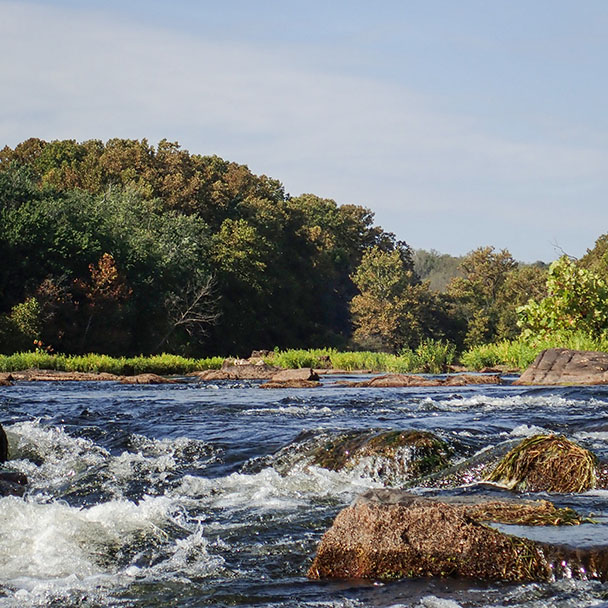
[{"x": 166, "y": 495}]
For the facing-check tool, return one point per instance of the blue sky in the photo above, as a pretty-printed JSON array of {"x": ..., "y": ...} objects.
[{"x": 459, "y": 124}]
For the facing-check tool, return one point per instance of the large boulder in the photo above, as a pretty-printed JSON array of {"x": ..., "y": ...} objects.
[
  {"x": 547, "y": 463},
  {"x": 556, "y": 366},
  {"x": 393, "y": 534}
]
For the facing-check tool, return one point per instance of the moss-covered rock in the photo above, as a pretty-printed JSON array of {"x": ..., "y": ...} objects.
[
  {"x": 389, "y": 457},
  {"x": 396, "y": 455},
  {"x": 546, "y": 463}
]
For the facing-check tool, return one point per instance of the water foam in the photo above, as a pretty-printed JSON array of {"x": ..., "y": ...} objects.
[{"x": 268, "y": 490}]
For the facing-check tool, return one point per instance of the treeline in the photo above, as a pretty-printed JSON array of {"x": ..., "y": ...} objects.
[{"x": 125, "y": 248}]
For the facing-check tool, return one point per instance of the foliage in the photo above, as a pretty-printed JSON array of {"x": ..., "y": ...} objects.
[
  {"x": 577, "y": 302},
  {"x": 393, "y": 310},
  {"x": 489, "y": 291},
  {"x": 174, "y": 222},
  {"x": 431, "y": 356},
  {"x": 21, "y": 328}
]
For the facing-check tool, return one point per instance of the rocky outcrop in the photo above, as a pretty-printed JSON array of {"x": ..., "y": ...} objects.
[
  {"x": 391, "y": 534},
  {"x": 562, "y": 366},
  {"x": 147, "y": 379},
  {"x": 296, "y": 374},
  {"x": 547, "y": 463},
  {"x": 412, "y": 380}
]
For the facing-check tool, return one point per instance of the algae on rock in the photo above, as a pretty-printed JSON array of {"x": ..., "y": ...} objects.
[{"x": 547, "y": 463}]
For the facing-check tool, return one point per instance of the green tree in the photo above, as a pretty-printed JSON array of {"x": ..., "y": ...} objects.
[
  {"x": 577, "y": 301},
  {"x": 392, "y": 310},
  {"x": 478, "y": 292}
]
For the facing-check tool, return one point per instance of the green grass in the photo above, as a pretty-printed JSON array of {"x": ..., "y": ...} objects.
[
  {"x": 164, "y": 364},
  {"x": 430, "y": 357}
]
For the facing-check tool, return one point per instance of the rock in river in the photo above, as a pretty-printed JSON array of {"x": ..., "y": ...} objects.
[
  {"x": 391, "y": 457},
  {"x": 392, "y": 534},
  {"x": 556, "y": 366},
  {"x": 547, "y": 463},
  {"x": 413, "y": 380}
]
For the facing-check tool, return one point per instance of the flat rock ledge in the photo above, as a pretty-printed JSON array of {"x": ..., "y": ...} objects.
[
  {"x": 41, "y": 375},
  {"x": 392, "y": 534},
  {"x": 563, "y": 366},
  {"x": 412, "y": 380}
]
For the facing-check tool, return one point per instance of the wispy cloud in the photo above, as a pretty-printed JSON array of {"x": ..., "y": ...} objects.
[{"x": 77, "y": 74}]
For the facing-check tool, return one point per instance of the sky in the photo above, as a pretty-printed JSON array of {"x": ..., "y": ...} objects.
[{"x": 459, "y": 123}]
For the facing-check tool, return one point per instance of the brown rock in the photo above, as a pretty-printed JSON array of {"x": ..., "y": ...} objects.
[
  {"x": 147, "y": 379},
  {"x": 392, "y": 534},
  {"x": 290, "y": 384},
  {"x": 556, "y": 366},
  {"x": 41, "y": 375},
  {"x": 408, "y": 380},
  {"x": 238, "y": 369},
  {"x": 6, "y": 380},
  {"x": 212, "y": 374}
]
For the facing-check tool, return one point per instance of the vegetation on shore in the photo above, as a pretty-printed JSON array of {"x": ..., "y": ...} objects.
[{"x": 122, "y": 248}]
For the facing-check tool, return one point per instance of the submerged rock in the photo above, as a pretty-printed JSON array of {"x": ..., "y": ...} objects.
[
  {"x": 147, "y": 379},
  {"x": 406, "y": 380},
  {"x": 291, "y": 384},
  {"x": 391, "y": 534},
  {"x": 547, "y": 463},
  {"x": 389, "y": 457},
  {"x": 564, "y": 366}
]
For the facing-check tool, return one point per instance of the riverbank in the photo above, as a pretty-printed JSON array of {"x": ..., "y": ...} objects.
[{"x": 432, "y": 357}]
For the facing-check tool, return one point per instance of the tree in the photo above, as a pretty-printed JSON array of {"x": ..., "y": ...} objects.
[
  {"x": 392, "y": 310},
  {"x": 478, "y": 292},
  {"x": 577, "y": 301},
  {"x": 101, "y": 299}
]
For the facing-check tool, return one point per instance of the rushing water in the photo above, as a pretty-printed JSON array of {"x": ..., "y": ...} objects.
[{"x": 166, "y": 495}]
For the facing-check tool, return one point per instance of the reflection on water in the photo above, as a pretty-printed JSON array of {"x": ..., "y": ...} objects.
[{"x": 167, "y": 495}]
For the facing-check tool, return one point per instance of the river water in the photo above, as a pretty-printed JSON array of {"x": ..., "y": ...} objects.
[{"x": 166, "y": 495}]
